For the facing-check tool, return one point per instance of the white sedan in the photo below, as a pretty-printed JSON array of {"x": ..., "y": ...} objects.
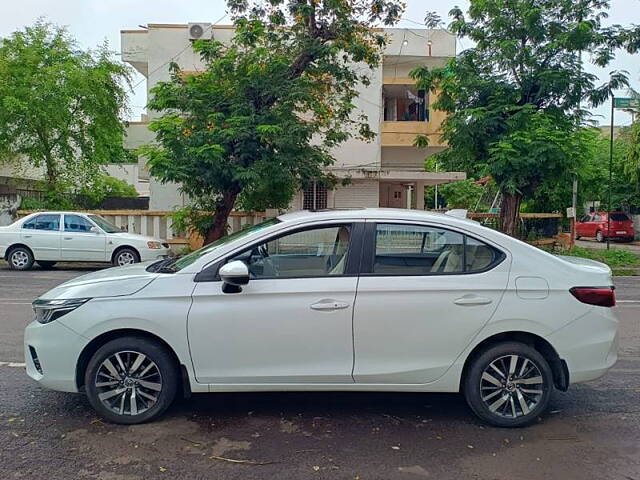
[
  {"x": 375, "y": 300},
  {"x": 49, "y": 237}
]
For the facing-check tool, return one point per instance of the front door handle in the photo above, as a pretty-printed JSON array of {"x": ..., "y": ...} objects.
[
  {"x": 68, "y": 238},
  {"x": 27, "y": 236},
  {"x": 329, "y": 304},
  {"x": 470, "y": 300}
]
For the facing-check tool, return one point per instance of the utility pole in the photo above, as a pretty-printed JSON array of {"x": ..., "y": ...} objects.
[
  {"x": 435, "y": 195},
  {"x": 610, "y": 174},
  {"x": 574, "y": 200}
]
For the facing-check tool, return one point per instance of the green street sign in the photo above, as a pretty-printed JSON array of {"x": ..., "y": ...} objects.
[{"x": 626, "y": 102}]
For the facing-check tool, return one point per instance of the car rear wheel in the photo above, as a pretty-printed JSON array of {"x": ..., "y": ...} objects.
[
  {"x": 599, "y": 236},
  {"x": 45, "y": 264},
  {"x": 509, "y": 385},
  {"x": 131, "y": 380},
  {"x": 125, "y": 256},
  {"x": 20, "y": 258}
]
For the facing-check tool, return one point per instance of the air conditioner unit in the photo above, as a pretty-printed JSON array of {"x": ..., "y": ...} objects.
[{"x": 200, "y": 31}]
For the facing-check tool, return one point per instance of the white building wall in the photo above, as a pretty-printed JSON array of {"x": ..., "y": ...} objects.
[{"x": 406, "y": 49}]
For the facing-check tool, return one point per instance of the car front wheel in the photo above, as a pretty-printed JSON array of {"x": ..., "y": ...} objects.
[
  {"x": 131, "y": 380},
  {"x": 125, "y": 256},
  {"x": 599, "y": 236},
  {"x": 509, "y": 385},
  {"x": 20, "y": 258}
]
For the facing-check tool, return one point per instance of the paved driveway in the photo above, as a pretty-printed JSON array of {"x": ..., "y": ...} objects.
[{"x": 592, "y": 431}]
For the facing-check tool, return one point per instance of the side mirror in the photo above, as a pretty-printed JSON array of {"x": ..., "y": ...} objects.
[
  {"x": 94, "y": 230},
  {"x": 234, "y": 273}
]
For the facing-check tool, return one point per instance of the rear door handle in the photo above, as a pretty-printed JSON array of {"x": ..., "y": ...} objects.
[
  {"x": 470, "y": 300},
  {"x": 27, "y": 236},
  {"x": 329, "y": 304},
  {"x": 68, "y": 238}
]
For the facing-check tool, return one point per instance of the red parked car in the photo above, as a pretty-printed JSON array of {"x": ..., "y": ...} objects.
[{"x": 595, "y": 225}]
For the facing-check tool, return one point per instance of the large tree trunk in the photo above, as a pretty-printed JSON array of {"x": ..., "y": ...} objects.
[
  {"x": 509, "y": 213},
  {"x": 221, "y": 215}
]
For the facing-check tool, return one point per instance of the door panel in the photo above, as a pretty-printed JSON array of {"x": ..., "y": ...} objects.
[
  {"x": 292, "y": 323},
  {"x": 410, "y": 329},
  {"x": 79, "y": 243},
  {"x": 42, "y": 235},
  {"x": 273, "y": 331}
]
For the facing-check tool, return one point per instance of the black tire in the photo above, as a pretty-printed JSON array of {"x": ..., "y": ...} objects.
[
  {"x": 128, "y": 348},
  {"x": 508, "y": 399},
  {"x": 578, "y": 237},
  {"x": 599, "y": 236},
  {"x": 46, "y": 265},
  {"x": 20, "y": 258},
  {"x": 125, "y": 253}
]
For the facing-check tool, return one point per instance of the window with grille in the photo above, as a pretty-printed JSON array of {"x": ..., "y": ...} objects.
[{"x": 314, "y": 196}]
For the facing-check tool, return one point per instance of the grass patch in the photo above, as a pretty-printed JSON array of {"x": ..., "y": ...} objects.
[{"x": 616, "y": 257}]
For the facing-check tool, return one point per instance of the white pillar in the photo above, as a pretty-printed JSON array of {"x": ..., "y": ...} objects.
[{"x": 419, "y": 195}]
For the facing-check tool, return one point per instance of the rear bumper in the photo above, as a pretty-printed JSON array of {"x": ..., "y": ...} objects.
[{"x": 588, "y": 345}]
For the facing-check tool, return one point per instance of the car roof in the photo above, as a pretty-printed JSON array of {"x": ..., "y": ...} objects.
[{"x": 372, "y": 213}]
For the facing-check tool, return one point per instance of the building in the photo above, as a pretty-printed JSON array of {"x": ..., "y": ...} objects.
[{"x": 387, "y": 172}]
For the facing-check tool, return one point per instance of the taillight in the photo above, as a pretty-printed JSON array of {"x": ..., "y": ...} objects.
[{"x": 600, "y": 296}]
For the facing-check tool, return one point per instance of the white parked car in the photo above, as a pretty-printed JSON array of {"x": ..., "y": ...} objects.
[
  {"x": 371, "y": 299},
  {"x": 49, "y": 237}
]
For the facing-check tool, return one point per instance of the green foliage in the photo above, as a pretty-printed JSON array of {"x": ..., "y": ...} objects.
[
  {"x": 59, "y": 105},
  {"x": 514, "y": 99},
  {"x": 592, "y": 172},
  {"x": 460, "y": 194},
  {"x": 263, "y": 116},
  {"x": 192, "y": 219},
  {"x": 632, "y": 157},
  {"x": 103, "y": 186},
  {"x": 616, "y": 257}
]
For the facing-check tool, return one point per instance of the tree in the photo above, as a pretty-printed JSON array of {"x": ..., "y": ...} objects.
[
  {"x": 514, "y": 99},
  {"x": 263, "y": 116},
  {"x": 59, "y": 105}
]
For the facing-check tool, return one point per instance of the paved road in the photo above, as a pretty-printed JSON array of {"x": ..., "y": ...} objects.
[
  {"x": 593, "y": 431},
  {"x": 592, "y": 243}
]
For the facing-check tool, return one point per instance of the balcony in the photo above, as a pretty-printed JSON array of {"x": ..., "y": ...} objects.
[
  {"x": 407, "y": 115},
  {"x": 134, "y": 45}
]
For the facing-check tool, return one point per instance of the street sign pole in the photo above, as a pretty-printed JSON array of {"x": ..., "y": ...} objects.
[{"x": 610, "y": 174}]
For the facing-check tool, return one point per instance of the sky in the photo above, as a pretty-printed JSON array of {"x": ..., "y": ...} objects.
[{"x": 93, "y": 21}]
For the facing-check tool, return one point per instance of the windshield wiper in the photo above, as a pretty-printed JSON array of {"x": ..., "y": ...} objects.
[{"x": 163, "y": 266}]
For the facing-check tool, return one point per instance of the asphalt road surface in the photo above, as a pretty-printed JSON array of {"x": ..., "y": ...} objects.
[{"x": 590, "y": 432}]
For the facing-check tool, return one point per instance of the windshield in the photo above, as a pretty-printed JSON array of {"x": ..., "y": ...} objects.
[
  {"x": 619, "y": 217},
  {"x": 104, "y": 224},
  {"x": 179, "y": 263}
]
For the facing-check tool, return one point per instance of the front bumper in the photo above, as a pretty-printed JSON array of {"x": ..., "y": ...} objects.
[
  {"x": 147, "y": 254},
  {"x": 56, "y": 349},
  {"x": 589, "y": 344}
]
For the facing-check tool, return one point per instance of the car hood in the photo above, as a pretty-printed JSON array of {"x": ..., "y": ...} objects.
[
  {"x": 110, "y": 282},
  {"x": 136, "y": 237}
]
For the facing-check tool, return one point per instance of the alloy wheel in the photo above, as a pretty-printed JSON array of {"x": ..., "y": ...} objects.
[
  {"x": 126, "y": 258},
  {"x": 19, "y": 259},
  {"x": 128, "y": 383},
  {"x": 511, "y": 386}
]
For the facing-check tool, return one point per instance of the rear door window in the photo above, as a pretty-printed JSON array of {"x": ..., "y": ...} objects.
[
  {"x": 422, "y": 250},
  {"x": 48, "y": 222}
]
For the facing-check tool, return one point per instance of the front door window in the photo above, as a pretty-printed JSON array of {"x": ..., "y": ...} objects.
[{"x": 314, "y": 252}]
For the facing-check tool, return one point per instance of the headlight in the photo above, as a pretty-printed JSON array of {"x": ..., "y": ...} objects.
[
  {"x": 154, "y": 245},
  {"x": 46, "y": 311}
]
